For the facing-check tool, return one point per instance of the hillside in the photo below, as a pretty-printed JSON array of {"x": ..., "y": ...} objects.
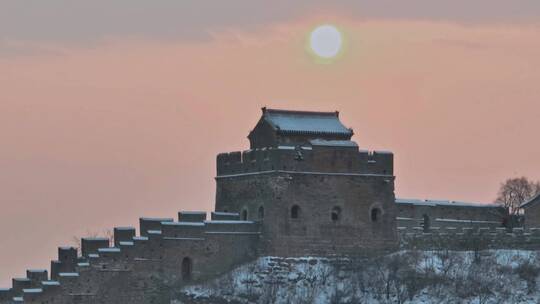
[{"x": 493, "y": 276}]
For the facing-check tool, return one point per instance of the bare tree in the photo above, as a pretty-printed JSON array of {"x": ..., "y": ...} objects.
[{"x": 514, "y": 192}]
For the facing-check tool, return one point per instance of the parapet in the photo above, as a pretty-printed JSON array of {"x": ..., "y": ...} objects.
[
  {"x": 469, "y": 238},
  {"x": 225, "y": 216},
  {"x": 336, "y": 158},
  {"x": 182, "y": 229},
  {"x": 231, "y": 227},
  {"x": 36, "y": 276},
  {"x": 192, "y": 216}
]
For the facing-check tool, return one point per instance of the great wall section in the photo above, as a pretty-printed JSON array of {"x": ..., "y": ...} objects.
[
  {"x": 169, "y": 254},
  {"x": 303, "y": 189}
]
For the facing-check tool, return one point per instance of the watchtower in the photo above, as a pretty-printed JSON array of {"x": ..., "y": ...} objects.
[{"x": 311, "y": 187}]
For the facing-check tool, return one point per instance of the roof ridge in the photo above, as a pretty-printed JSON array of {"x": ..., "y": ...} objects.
[{"x": 268, "y": 110}]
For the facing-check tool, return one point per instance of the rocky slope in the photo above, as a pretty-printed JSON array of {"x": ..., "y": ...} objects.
[{"x": 496, "y": 276}]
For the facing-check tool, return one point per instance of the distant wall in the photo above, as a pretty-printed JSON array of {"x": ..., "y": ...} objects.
[
  {"x": 457, "y": 238},
  {"x": 412, "y": 215}
]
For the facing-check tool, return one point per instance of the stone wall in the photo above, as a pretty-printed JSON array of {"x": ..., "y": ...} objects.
[
  {"x": 141, "y": 269},
  {"x": 532, "y": 215},
  {"x": 457, "y": 238},
  {"x": 317, "y": 197}
]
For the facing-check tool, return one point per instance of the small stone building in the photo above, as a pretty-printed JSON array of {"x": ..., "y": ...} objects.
[{"x": 531, "y": 212}]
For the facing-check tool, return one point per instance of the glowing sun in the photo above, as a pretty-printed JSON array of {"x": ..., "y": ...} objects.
[{"x": 326, "y": 41}]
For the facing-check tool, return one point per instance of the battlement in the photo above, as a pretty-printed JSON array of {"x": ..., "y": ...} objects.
[{"x": 321, "y": 157}]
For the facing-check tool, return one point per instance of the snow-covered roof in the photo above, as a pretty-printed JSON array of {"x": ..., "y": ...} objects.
[
  {"x": 182, "y": 223},
  {"x": 68, "y": 274},
  {"x": 66, "y": 247},
  {"x": 420, "y": 202},
  {"x": 101, "y": 239},
  {"x": 228, "y": 222},
  {"x": 111, "y": 249},
  {"x": 532, "y": 201},
  {"x": 301, "y": 122},
  {"x": 157, "y": 219},
  {"x": 333, "y": 143},
  {"x": 226, "y": 213},
  {"x": 32, "y": 290},
  {"x": 124, "y": 228},
  {"x": 37, "y": 270}
]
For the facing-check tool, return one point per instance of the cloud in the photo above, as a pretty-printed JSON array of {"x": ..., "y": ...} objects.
[{"x": 72, "y": 21}]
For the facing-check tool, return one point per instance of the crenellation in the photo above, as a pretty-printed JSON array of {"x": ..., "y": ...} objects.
[
  {"x": 18, "y": 284},
  {"x": 148, "y": 223},
  {"x": 91, "y": 245},
  {"x": 36, "y": 276},
  {"x": 191, "y": 216},
  {"x": 342, "y": 159},
  {"x": 225, "y": 216},
  {"x": 122, "y": 234},
  {"x": 67, "y": 255}
]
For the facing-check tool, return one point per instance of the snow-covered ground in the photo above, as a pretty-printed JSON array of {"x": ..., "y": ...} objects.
[{"x": 493, "y": 276}]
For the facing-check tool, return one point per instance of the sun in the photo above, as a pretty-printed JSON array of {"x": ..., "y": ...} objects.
[{"x": 326, "y": 41}]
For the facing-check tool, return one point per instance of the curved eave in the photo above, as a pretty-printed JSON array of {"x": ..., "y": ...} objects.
[{"x": 302, "y": 132}]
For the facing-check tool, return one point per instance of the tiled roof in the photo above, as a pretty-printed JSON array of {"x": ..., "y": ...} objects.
[{"x": 304, "y": 122}]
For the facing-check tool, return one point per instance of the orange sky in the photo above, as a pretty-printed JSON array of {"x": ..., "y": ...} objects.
[{"x": 96, "y": 136}]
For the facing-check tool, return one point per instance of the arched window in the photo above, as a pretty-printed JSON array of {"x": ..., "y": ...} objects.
[
  {"x": 295, "y": 212},
  {"x": 187, "y": 269},
  {"x": 261, "y": 212},
  {"x": 244, "y": 215},
  {"x": 335, "y": 215},
  {"x": 375, "y": 214}
]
